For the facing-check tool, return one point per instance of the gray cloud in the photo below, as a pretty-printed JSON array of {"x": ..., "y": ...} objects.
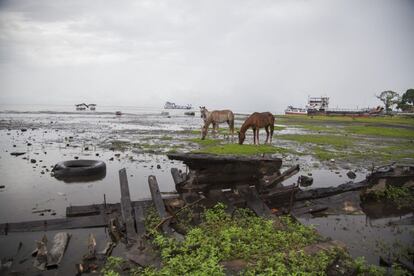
[{"x": 245, "y": 55}]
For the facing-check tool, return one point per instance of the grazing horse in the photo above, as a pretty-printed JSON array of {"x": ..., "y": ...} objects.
[
  {"x": 257, "y": 121},
  {"x": 215, "y": 117}
]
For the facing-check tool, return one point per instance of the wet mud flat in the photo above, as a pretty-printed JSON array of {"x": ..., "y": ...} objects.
[{"x": 140, "y": 144}]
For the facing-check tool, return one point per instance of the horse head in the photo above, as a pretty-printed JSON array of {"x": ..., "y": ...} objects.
[
  {"x": 242, "y": 136},
  {"x": 203, "y": 111}
]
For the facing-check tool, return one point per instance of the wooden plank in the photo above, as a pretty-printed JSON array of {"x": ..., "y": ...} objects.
[
  {"x": 177, "y": 176},
  {"x": 139, "y": 220},
  {"x": 273, "y": 181},
  {"x": 95, "y": 209},
  {"x": 330, "y": 191},
  {"x": 254, "y": 202},
  {"x": 160, "y": 207},
  {"x": 126, "y": 206},
  {"x": 53, "y": 224},
  {"x": 156, "y": 197}
]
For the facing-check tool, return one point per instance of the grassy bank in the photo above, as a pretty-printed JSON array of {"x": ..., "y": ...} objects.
[
  {"x": 367, "y": 140},
  {"x": 245, "y": 244}
]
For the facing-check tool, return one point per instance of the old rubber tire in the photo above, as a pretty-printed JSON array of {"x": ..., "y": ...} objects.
[{"x": 73, "y": 168}]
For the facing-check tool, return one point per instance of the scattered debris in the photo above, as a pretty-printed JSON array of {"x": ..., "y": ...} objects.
[
  {"x": 351, "y": 174},
  {"x": 17, "y": 153},
  {"x": 41, "y": 254},
  {"x": 305, "y": 181},
  {"x": 55, "y": 255}
]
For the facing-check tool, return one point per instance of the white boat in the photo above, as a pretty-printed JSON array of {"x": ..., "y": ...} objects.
[
  {"x": 296, "y": 111},
  {"x": 170, "y": 105}
]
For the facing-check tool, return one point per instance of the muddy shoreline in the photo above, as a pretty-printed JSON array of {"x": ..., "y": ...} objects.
[{"x": 140, "y": 142}]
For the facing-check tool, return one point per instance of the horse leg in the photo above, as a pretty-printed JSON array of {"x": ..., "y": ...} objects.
[
  {"x": 267, "y": 135},
  {"x": 254, "y": 136},
  {"x": 257, "y": 134},
  {"x": 272, "y": 128}
]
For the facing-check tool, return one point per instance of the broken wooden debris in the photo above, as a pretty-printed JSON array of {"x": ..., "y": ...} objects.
[
  {"x": 272, "y": 181},
  {"x": 160, "y": 207},
  {"x": 41, "y": 254},
  {"x": 108, "y": 208},
  {"x": 139, "y": 220},
  {"x": 55, "y": 254},
  {"x": 329, "y": 191},
  {"x": 209, "y": 171},
  {"x": 53, "y": 224},
  {"x": 126, "y": 206},
  {"x": 91, "y": 254}
]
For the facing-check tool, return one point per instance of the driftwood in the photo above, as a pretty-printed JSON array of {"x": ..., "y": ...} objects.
[{"x": 55, "y": 255}]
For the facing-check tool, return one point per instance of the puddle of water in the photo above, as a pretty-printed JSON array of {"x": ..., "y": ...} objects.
[{"x": 365, "y": 237}]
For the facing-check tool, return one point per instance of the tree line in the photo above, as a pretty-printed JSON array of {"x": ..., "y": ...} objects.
[{"x": 404, "y": 102}]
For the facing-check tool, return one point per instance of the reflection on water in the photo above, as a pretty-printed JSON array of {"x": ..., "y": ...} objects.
[{"x": 365, "y": 237}]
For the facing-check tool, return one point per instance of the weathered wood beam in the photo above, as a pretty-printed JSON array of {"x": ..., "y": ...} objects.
[
  {"x": 53, "y": 224},
  {"x": 96, "y": 209},
  {"x": 272, "y": 181},
  {"x": 254, "y": 202},
  {"x": 126, "y": 206},
  {"x": 325, "y": 192},
  {"x": 160, "y": 206},
  {"x": 139, "y": 220}
]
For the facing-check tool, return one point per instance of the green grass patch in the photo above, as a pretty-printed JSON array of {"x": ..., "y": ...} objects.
[
  {"x": 279, "y": 128},
  {"x": 393, "y": 132},
  {"x": 259, "y": 245},
  {"x": 264, "y": 248},
  {"x": 332, "y": 140},
  {"x": 243, "y": 149},
  {"x": 166, "y": 138},
  {"x": 402, "y": 197},
  {"x": 387, "y": 120}
]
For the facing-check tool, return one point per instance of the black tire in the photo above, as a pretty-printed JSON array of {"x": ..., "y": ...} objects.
[{"x": 74, "y": 168}]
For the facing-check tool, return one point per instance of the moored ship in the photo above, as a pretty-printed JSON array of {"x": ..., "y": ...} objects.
[{"x": 170, "y": 105}]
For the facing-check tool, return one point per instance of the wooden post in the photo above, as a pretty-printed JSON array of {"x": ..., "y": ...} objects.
[
  {"x": 139, "y": 219},
  {"x": 126, "y": 207},
  {"x": 156, "y": 196},
  {"x": 160, "y": 206}
]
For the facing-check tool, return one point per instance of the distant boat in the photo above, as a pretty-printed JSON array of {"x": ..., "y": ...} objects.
[
  {"x": 296, "y": 111},
  {"x": 84, "y": 106},
  {"x": 118, "y": 113},
  {"x": 170, "y": 105}
]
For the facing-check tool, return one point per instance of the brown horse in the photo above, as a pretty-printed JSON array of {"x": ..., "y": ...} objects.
[
  {"x": 257, "y": 121},
  {"x": 215, "y": 117}
]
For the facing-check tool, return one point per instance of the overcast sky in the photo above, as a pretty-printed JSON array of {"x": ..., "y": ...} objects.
[{"x": 240, "y": 54}]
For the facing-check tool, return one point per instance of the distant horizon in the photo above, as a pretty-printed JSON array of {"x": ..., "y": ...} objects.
[{"x": 242, "y": 55}]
